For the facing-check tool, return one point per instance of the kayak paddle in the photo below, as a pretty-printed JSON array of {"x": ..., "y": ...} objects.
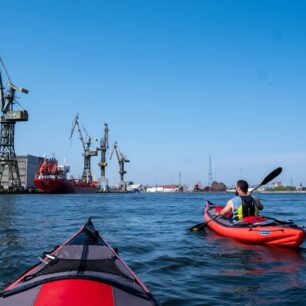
[
  {"x": 269, "y": 177},
  {"x": 200, "y": 226},
  {"x": 266, "y": 180}
]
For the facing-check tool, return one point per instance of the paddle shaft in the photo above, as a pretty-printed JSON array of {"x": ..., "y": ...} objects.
[{"x": 200, "y": 226}]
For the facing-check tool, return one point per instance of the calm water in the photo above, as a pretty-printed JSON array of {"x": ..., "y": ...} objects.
[{"x": 180, "y": 268}]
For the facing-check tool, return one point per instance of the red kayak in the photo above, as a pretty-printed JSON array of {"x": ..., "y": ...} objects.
[
  {"x": 257, "y": 229},
  {"x": 84, "y": 270}
]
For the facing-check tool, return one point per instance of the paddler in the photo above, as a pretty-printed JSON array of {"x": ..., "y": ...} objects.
[{"x": 243, "y": 205}]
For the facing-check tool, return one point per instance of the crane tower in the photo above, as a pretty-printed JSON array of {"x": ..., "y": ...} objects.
[
  {"x": 103, "y": 148},
  {"x": 8, "y": 120},
  {"x": 86, "y": 143},
  {"x": 122, "y": 159}
]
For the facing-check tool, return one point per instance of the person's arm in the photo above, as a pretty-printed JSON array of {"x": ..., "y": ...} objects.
[
  {"x": 228, "y": 208},
  {"x": 259, "y": 204}
]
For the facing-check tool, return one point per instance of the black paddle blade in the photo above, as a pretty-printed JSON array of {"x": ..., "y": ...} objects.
[
  {"x": 272, "y": 175},
  {"x": 200, "y": 226},
  {"x": 197, "y": 228}
]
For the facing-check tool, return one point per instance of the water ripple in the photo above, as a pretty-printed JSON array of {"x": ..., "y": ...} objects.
[{"x": 181, "y": 268}]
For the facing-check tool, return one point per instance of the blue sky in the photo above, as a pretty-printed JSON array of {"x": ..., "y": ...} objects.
[{"x": 176, "y": 81}]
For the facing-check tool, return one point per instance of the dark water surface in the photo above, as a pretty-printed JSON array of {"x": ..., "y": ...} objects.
[{"x": 180, "y": 268}]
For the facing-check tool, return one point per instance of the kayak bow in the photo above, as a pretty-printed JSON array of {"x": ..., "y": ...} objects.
[{"x": 84, "y": 270}]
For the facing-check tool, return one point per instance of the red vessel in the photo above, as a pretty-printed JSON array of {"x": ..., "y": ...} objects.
[
  {"x": 84, "y": 187},
  {"x": 52, "y": 178}
]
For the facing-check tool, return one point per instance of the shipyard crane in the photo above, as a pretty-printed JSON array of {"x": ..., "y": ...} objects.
[
  {"x": 86, "y": 143},
  {"x": 8, "y": 120},
  {"x": 122, "y": 159},
  {"x": 103, "y": 148}
]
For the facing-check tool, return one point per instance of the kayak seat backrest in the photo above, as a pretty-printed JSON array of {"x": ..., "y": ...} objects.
[{"x": 254, "y": 219}]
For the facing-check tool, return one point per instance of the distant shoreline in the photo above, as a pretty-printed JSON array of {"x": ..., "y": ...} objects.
[
  {"x": 271, "y": 191},
  {"x": 303, "y": 191}
]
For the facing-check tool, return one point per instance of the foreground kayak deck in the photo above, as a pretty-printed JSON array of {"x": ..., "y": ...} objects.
[
  {"x": 84, "y": 270},
  {"x": 268, "y": 231}
]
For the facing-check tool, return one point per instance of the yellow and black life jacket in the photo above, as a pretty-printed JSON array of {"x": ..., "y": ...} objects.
[{"x": 247, "y": 208}]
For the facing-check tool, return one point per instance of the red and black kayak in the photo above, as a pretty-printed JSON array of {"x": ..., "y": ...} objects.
[
  {"x": 84, "y": 270},
  {"x": 257, "y": 229}
]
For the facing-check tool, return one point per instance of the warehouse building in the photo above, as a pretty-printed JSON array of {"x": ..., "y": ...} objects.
[{"x": 28, "y": 166}]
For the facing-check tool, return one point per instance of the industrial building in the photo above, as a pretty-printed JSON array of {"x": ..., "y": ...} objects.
[{"x": 28, "y": 166}]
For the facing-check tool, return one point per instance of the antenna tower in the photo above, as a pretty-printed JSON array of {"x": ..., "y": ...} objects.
[{"x": 210, "y": 173}]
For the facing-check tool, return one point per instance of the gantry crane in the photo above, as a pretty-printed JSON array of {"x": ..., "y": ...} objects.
[
  {"x": 122, "y": 159},
  {"x": 8, "y": 120},
  {"x": 103, "y": 148},
  {"x": 86, "y": 143}
]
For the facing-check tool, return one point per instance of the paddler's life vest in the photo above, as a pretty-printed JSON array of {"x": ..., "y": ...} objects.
[{"x": 247, "y": 207}]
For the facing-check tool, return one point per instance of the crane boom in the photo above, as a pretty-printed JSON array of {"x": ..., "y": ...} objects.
[
  {"x": 122, "y": 159},
  {"x": 86, "y": 176},
  {"x": 75, "y": 123},
  {"x": 1, "y": 92}
]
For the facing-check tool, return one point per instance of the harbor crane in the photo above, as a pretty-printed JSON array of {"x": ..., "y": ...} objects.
[
  {"x": 86, "y": 143},
  {"x": 122, "y": 159},
  {"x": 8, "y": 120},
  {"x": 103, "y": 164}
]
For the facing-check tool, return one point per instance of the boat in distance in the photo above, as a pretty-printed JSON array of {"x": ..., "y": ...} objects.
[
  {"x": 52, "y": 178},
  {"x": 255, "y": 229},
  {"x": 84, "y": 270}
]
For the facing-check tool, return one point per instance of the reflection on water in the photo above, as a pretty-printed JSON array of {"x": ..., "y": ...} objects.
[
  {"x": 259, "y": 259},
  {"x": 181, "y": 268},
  {"x": 259, "y": 272}
]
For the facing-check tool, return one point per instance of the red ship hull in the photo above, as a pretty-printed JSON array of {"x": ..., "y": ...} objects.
[
  {"x": 52, "y": 178},
  {"x": 83, "y": 187},
  {"x": 54, "y": 185}
]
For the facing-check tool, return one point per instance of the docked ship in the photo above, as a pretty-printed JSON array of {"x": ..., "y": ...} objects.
[
  {"x": 52, "y": 178},
  {"x": 84, "y": 187}
]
